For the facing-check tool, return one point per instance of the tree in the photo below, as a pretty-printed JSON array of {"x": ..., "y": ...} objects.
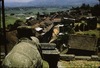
[{"x": 99, "y": 2}]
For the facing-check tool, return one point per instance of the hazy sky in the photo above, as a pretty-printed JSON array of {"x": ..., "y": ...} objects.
[
  {"x": 18, "y": 0},
  {"x": 38, "y": 0}
]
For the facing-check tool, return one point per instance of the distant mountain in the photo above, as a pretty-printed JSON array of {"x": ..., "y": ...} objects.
[
  {"x": 15, "y": 4},
  {"x": 47, "y": 3}
]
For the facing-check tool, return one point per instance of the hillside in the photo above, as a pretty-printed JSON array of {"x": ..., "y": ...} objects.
[{"x": 48, "y": 3}]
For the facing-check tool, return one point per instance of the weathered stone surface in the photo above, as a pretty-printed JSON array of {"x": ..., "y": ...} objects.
[
  {"x": 24, "y": 55},
  {"x": 83, "y": 42},
  {"x": 48, "y": 46},
  {"x": 67, "y": 56}
]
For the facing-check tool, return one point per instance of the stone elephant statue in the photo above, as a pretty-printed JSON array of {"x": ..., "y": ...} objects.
[{"x": 25, "y": 54}]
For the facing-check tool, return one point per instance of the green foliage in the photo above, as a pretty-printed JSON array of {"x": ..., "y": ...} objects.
[
  {"x": 90, "y": 32},
  {"x": 45, "y": 64},
  {"x": 96, "y": 10},
  {"x": 84, "y": 6},
  {"x": 10, "y": 20}
]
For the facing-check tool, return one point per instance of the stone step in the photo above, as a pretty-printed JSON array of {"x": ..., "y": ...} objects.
[
  {"x": 2, "y": 56},
  {"x": 73, "y": 57}
]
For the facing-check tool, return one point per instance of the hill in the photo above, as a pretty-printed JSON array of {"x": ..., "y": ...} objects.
[{"x": 50, "y": 3}]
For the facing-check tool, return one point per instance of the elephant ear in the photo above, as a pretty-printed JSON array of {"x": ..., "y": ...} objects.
[
  {"x": 35, "y": 40},
  {"x": 38, "y": 45}
]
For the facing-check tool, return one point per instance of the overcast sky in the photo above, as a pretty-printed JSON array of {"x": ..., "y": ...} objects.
[
  {"x": 18, "y": 0},
  {"x": 42, "y": 0}
]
